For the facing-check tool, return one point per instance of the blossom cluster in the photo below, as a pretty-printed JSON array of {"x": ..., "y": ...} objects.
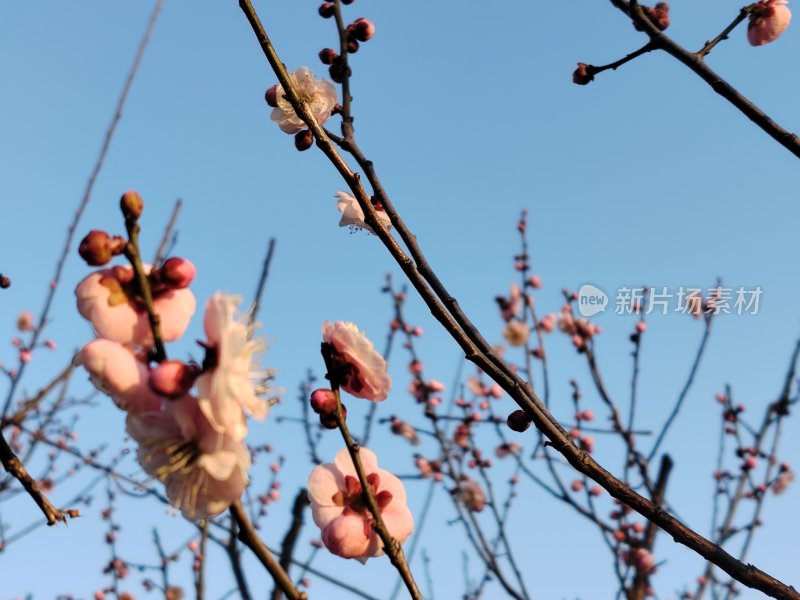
[
  {"x": 187, "y": 419},
  {"x": 347, "y": 523}
]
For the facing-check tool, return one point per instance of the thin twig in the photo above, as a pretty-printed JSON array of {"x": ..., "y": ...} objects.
[
  {"x": 168, "y": 239},
  {"x": 249, "y": 537},
  {"x": 479, "y": 351},
  {"x": 262, "y": 280},
  {"x": 87, "y": 195},
  {"x": 292, "y": 534}
]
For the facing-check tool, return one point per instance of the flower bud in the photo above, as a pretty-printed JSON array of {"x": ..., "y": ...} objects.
[
  {"x": 323, "y": 401},
  {"x": 583, "y": 74},
  {"x": 97, "y": 248},
  {"x": 271, "y": 96},
  {"x": 303, "y": 140},
  {"x": 518, "y": 421},
  {"x": 131, "y": 205},
  {"x": 339, "y": 71},
  {"x": 25, "y": 321},
  {"x": 327, "y": 56},
  {"x": 172, "y": 378},
  {"x": 328, "y": 420},
  {"x": 352, "y": 45},
  {"x": 363, "y": 29},
  {"x": 178, "y": 273},
  {"x": 658, "y": 16},
  {"x": 5, "y": 282},
  {"x": 326, "y": 11}
]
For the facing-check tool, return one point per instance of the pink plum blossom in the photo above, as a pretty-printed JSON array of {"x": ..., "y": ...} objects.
[
  {"x": 767, "y": 22},
  {"x": 516, "y": 333},
  {"x": 359, "y": 368},
  {"x": 353, "y": 215},
  {"x": 204, "y": 470},
  {"x": 106, "y": 300},
  {"x": 319, "y": 95},
  {"x": 235, "y": 382},
  {"x": 338, "y": 510},
  {"x": 472, "y": 495},
  {"x": 114, "y": 370}
]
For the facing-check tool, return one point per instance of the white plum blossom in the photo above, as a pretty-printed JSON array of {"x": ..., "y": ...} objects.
[
  {"x": 353, "y": 216},
  {"x": 318, "y": 94},
  {"x": 235, "y": 383}
]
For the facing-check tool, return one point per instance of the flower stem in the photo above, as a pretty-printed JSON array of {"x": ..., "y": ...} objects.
[
  {"x": 143, "y": 285},
  {"x": 390, "y": 545},
  {"x": 249, "y": 537},
  {"x": 743, "y": 14}
]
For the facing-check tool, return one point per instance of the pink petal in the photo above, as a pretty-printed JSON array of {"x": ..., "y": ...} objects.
[
  {"x": 347, "y": 536},
  {"x": 344, "y": 463}
]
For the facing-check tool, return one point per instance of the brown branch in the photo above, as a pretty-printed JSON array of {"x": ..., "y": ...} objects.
[
  {"x": 236, "y": 563},
  {"x": 14, "y": 467},
  {"x": 390, "y": 545},
  {"x": 641, "y": 581},
  {"x": 87, "y": 194},
  {"x": 292, "y": 534},
  {"x": 694, "y": 61},
  {"x": 482, "y": 354},
  {"x": 249, "y": 537}
]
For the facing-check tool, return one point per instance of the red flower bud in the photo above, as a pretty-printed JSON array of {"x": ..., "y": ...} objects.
[
  {"x": 178, "y": 273},
  {"x": 327, "y": 56},
  {"x": 323, "y": 401},
  {"x": 131, "y": 205},
  {"x": 303, "y": 140},
  {"x": 583, "y": 74},
  {"x": 518, "y": 421},
  {"x": 363, "y": 29},
  {"x": 172, "y": 378},
  {"x": 271, "y": 96},
  {"x": 326, "y": 11},
  {"x": 97, "y": 248}
]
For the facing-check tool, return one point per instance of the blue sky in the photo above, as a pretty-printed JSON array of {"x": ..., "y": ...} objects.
[{"x": 468, "y": 111}]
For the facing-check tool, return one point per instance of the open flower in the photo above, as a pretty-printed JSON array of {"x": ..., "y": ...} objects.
[
  {"x": 767, "y": 22},
  {"x": 353, "y": 216},
  {"x": 204, "y": 470},
  {"x": 516, "y": 333},
  {"x": 107, "y": 300},
  {"x": 358, "y": 367},
  {"x": 235, "y": 382},
  {"x": 338, "y": 510},
  {"x": 319, "y": 95}
]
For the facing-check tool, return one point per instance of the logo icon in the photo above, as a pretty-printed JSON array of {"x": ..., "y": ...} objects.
[{"x": 591, "y": 300}]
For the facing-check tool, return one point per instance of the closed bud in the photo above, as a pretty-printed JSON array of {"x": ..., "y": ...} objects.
[
  {"x": 131, "y": 205},
  {"x": 352, "y": 45},
  {"x": 327, "y": 56},
  {"x": 323, "y": 401},
  {"x": 518, "y": 421},
  {"x": 303, "y": 140},
  {"x": 339, "y": 71},
  {"x": 97, "y": 248},
  {"x": 328, "y": 420},
  {"x": 583, "y": 75},
  {"x": 271, "y": 96},
  {"x": 172, "y": 378},
  {"x": 363, "y": 29},
  {"x": 326, "y": 11},
  {"x": 178, "y": 273}
]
